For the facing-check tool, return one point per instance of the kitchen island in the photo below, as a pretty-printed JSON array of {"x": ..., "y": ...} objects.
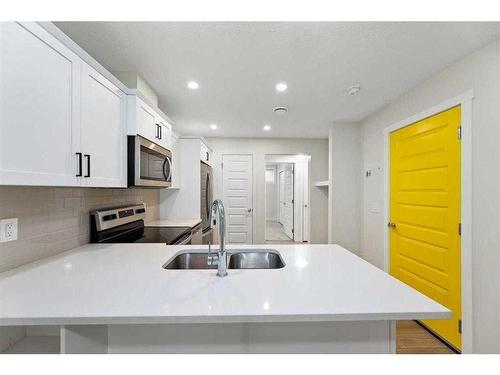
[{"x": 118, "y": 298}]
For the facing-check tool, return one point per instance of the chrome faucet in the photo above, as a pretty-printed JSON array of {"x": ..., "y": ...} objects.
[{"x": 221, "y": 259}]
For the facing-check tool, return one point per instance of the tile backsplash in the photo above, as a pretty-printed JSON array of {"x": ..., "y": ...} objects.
[{"x": 53, "y": 220}]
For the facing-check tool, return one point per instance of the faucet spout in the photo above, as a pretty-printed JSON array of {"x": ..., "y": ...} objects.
[{"x": 218, "y": 207}]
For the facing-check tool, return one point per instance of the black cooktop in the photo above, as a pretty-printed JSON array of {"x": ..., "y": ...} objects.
[
  {"x": 136, "y": 232},
  {"x": 168, "y": 235}
]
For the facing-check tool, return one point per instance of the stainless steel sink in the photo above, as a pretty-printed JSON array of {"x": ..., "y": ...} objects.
[
  {"x": 238, "y": 259},
  {"x": 189, "y": 261},
  {"x": 264, "y": 259}
]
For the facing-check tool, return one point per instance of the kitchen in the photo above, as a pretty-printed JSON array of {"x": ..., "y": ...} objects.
[{"x": 133, "y": 215}]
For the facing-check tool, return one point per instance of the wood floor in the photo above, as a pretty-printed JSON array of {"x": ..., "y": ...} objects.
[{"x": 411, "y": 338}]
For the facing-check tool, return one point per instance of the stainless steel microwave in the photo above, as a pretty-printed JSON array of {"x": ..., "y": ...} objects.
[{"x": 149, "y": 165}]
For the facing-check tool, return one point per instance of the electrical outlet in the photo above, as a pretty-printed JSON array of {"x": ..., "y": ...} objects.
[{"x": 8, "y": 230}]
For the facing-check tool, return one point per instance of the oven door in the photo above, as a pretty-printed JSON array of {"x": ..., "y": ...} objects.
[{"x": 152, "y": 164}]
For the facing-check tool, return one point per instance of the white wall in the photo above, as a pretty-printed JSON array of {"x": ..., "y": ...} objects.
[
  {"x": 316, "y": 148},
  {"x": 185, "y": 202},
  {"x": 345, "y": 185},
  {"x": 272, "y": 194},
  {"x": 480, "y": 72}
]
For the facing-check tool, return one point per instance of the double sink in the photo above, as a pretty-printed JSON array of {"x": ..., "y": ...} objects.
[{"x": 238, "y": 259}]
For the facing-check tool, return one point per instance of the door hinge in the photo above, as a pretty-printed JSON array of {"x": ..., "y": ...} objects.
[
  {"x": 459, "y": 229},
  {"x": 459, "y": 132},
  {"x": 460, "y": 326},
  {"x": 293, "y": 231}
]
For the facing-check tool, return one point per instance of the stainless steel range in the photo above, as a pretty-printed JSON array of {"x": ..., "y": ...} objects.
[{"x": 125, "y": 224}]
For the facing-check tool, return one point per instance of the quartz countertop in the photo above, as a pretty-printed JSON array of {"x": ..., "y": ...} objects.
[
  {"x": 174, "y": 223},
  {"x": 126, "y": 284}
]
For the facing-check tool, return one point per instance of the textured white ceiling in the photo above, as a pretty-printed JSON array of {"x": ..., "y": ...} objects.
[{"x": 238, "y": 64}]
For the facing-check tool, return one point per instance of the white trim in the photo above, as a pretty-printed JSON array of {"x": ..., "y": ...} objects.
[{"x": 465, "y": 101}]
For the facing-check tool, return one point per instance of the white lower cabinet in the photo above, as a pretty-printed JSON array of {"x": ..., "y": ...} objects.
[
  {"x": 103, "y": 132},
  {"x": 57, "y": 115},
  {"x": 39, "y": 100}
]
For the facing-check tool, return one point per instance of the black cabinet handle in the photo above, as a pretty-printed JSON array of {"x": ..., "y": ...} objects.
[
  {"x": 79, "y": 156},
  {"x": 207, "y": 156},
  {"x": 88, "y": 165},
  {"x": 157, "y": 131},
  {"x": 161, "y": 131}
]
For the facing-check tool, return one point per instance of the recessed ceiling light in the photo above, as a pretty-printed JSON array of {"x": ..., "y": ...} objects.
[
  {"x": 353, "y": 90},
  {"x": 213, "y": 126},
  {"x": 282, "y": 86},
  {"x": 193, "y": 85},
  {"x": 267, "y": 127}
]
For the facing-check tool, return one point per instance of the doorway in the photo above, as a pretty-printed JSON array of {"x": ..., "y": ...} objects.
[
  {"x": 287, "y": 198},
  {"x": 279, "y": 202}
]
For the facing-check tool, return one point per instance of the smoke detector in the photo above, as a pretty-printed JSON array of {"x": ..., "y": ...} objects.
[
  {"x": 280, "y": 111},
  {"x": 353, "y": 90}
]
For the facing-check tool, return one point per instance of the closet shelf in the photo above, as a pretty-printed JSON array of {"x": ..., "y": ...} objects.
[{"x": 324, "y": 183}]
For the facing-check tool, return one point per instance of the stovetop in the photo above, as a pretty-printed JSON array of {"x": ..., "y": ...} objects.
[
  {"x": 136, "y": 232},
  {"x": 125, "y": 224},
  {"x": 169, "y": 235}
]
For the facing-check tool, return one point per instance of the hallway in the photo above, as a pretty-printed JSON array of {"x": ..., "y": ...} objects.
[{"x": 275, "y": 233}]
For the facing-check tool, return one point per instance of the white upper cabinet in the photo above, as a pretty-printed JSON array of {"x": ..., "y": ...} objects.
[
  {"x": 148, "y": 123},
  {"x": 39, "y": 108},
  {"x": 205, "y": 154},
  {"x": 103, "y": 131},
  {"x": 61, "y": 122},
  {"x": 165, "y": 138}
]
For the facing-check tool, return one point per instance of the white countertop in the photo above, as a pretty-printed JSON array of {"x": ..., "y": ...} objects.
[
  {"x": 174, "y": 223},
  {"x": 126, "y": 284}
]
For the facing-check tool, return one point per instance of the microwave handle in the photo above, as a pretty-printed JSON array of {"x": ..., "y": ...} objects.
[{"x": 167, "y": 160}]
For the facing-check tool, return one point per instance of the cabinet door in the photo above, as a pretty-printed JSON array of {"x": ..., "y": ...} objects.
[
  {"x": 165, "y": 133},
  {"x": 146, "y": 122},
  {"x": 39, "y": 118},
  {"x": 205, "y": 153},
  {"x": 103, "y": 133}
]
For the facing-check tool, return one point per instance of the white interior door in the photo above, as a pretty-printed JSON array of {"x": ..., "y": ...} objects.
[
  {"x": 288, "y": 201},
  {"x": 237, "y": 197},
  {"x": 281, "y": 214}
]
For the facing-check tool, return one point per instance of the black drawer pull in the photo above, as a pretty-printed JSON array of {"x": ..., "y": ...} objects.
[
  {"x": 79, "y": 156},
  {"x": 88, "y": 165}
]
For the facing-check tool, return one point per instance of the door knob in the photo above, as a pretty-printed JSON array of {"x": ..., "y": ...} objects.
[
  {"x": 391, "y": 225},
  {"x": 249, "y": 210}
]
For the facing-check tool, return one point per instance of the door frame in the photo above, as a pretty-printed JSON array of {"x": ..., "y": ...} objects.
[
  {"x": 301, "y": 193},
  {"x": 465, "y": 102}
]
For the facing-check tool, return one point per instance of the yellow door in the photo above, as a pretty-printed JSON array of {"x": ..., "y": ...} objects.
[{"x": 425, "y": 214}]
